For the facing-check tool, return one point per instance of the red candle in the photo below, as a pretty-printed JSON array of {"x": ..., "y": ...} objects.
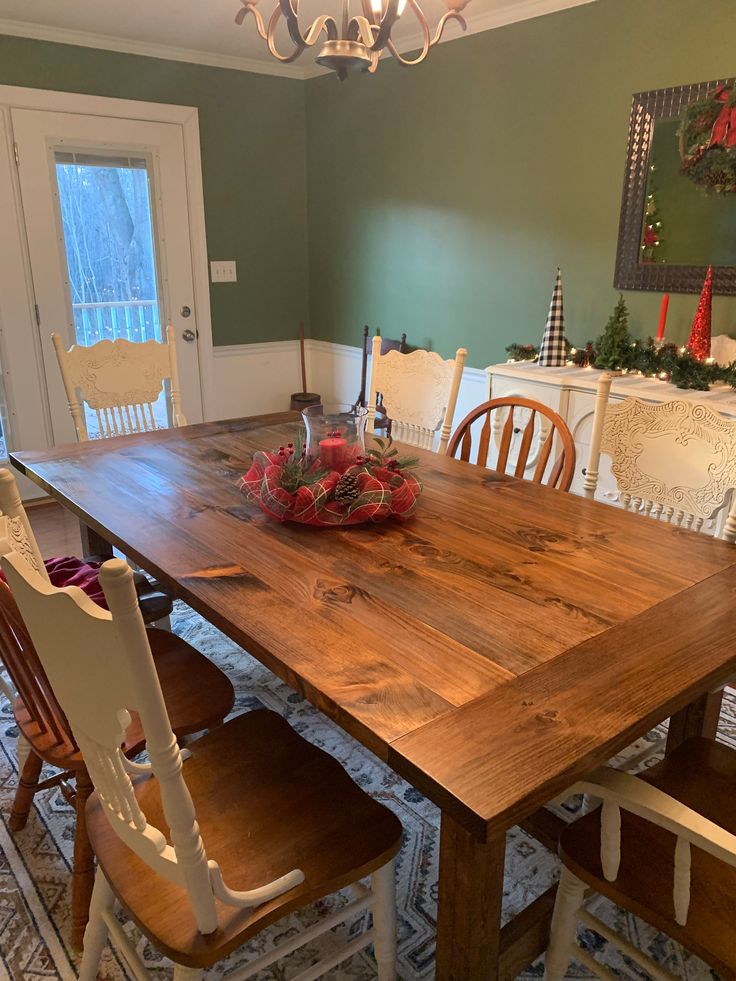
[
  {"x": 332, "y": 452},
  {"x": 663, "y": 316}
]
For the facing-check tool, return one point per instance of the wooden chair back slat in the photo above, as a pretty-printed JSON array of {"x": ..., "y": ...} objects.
[
  {"x": 542, "y": 428},
  {"x": 673, "y": 461},
  {"x": 113, "y": 377},
  {"x": 526, "y": 442},
  {"x": 418, "y": 391},
  {"x": 484, "y": 443},
  {"x": 506, "y": 434},
  {"x": 543, "y": 457}
]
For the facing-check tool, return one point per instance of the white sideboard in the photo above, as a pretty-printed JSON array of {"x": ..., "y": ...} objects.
[{"x": 571, "y": 392}]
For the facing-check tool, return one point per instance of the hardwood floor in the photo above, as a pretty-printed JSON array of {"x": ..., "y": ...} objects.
[{"x": 55, "y": 528}]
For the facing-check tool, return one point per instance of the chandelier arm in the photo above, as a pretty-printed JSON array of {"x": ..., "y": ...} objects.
[
  {"x": 289, "y": 11},
  {"x": 426, "y": 38},
  {"x": 386, "y": 24},
  {"x": 322, "y": 23},
  {"x": 360, "y": 27},
  {"x": 450, "y": 15},
  {"x": 271, "y": 41},
  {"x": 250, "y": 8}
]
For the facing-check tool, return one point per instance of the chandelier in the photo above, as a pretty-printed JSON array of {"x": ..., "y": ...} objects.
[{"x": 358, "y": 41}]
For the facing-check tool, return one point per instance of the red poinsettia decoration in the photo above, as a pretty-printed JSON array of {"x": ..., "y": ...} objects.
[{"x": 289, "y": 486}]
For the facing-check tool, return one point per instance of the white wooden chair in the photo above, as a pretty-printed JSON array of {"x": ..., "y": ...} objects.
[
  {"x": 662, "y": 846},
  {"x": 282, "y": 822},
  {"x": 419, "y": 392},
  {"x": 674, "y": 461},
  {"x": 120, "y": 380}
]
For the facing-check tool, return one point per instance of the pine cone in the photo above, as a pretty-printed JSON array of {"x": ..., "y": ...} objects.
[{"x": 347, "y": 489}]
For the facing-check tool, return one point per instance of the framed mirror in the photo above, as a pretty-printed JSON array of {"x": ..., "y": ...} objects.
[{"x": 678, "y": 211}]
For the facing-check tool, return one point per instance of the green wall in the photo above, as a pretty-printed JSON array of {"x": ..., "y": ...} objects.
[
  {"x": 253, "y": 144},
  {"x": 442, "y": 198},
  {"x": 437, "y": 200}
]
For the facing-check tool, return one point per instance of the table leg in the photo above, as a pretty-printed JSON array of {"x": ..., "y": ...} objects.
[
  {"x": 94, "y": 544},
  {"x": 470, "y": 895},
  {"x": 699, "y": 718}
]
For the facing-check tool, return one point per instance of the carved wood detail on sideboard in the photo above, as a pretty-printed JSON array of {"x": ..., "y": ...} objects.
[{"x": 571, "y": 392}]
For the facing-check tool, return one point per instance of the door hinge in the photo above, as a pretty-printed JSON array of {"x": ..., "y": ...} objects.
[
  {"x": 38, "y": 315},
  {"x": 17, "y": 155}
]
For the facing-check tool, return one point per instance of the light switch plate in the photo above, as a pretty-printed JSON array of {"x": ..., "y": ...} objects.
[{"x": 223, "y": 271}]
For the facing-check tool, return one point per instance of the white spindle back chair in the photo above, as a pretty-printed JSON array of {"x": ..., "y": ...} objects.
[
  {"x": 619, "y": 791},
  {"x": 120, "y": 380},
  {"x": 419, "y": 392},
  {"x": 97, "y": 695},
  {"x": 673, "y": 461}
]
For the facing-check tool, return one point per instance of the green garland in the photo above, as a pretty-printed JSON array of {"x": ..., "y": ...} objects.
[{"x": 666, "y": 361}]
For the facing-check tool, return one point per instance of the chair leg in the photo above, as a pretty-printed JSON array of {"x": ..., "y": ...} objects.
[
  {"x": 383, "y": 882},
  {"x": 95, "y": 936},
  {"x": 570, "y": 893},
  {"x": 27, "y": 785},
  {"x": 83, "y": 868},
  {"x": 6, "y": 690},
  {"x": 182, "y": 973}
]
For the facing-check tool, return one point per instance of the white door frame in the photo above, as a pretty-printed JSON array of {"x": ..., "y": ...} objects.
[{"x": 20, "y": 297}]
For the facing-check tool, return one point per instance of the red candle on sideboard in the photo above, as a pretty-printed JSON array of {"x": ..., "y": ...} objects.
[{"x": 663, "y": 316}]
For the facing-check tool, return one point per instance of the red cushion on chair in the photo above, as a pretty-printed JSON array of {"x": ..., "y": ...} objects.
[{"x": 71, "y": 571}]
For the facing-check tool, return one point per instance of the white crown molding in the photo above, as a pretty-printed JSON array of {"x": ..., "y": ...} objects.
[
  {"x": 510, "y": 13},
  {"x": 106, "y": 42}
]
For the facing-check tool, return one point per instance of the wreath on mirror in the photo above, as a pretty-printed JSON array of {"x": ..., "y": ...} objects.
[{"x": 708, "y": 141}]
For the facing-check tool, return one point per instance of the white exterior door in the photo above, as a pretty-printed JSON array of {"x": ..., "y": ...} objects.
[{"x": 106, "y": 215}]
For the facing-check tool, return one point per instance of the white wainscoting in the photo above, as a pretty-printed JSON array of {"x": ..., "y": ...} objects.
[{"x": 253, "y": 378}]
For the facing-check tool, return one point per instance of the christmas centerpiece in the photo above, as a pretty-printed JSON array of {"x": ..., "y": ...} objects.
[{"x": 332, "y": 479}]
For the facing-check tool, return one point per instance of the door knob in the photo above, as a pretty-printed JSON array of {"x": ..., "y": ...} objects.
[{"x": 188, "y": 335}]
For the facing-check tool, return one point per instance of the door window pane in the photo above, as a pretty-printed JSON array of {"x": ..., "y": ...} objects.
[{"x": 107, "y": 222}]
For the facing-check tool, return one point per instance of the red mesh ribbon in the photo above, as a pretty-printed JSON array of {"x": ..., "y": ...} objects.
[
  {"x": 382, "y": 493},
  {"x": 724, "y": 128}
]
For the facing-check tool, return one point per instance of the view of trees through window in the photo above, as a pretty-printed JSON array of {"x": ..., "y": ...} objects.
[
  {"x": 105, "y": 206},
  {"x": 106, "y": 217}
]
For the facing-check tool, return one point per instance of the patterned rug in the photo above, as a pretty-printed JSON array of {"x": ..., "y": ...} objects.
[{"x": 35, "y": 863}]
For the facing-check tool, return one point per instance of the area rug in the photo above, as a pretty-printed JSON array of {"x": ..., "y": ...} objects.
[{"x": 35, "y": 863}]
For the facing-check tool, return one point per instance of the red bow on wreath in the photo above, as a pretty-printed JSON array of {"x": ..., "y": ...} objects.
[{"x": 724, "y": 128}]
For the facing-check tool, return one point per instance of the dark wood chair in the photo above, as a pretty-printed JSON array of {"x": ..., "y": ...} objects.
[
  {"x": 663, "y": 846},
  {"x": 526, "y": 428},
  {"x": 387, "y": 344},
  {"x": 204, "y": 852},
  {"x": 197, "y": 694}
]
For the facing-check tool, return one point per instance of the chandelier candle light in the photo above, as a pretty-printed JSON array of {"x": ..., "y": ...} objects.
[{"x": 355, "y": 43}]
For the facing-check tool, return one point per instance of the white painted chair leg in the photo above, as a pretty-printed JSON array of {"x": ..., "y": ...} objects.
[
  {"x": 182, "y": 973},
  {"x": 95, "y": 935},
  {"x": 383, "y": 883},
  {"x": 570, "y": 893}
]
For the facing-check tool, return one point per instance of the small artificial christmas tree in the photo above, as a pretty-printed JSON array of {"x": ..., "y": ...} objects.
[
  {"x": 699, "y": 343},
  {"x": 613, "y": 347}
]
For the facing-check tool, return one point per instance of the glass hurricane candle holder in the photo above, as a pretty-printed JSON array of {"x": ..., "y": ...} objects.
[{"x": 335, "y": 434}]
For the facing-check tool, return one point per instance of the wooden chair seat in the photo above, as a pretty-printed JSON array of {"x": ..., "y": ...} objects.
[
  {"x": 701, "y": 774},
  {"x": 267, "y": 801}
]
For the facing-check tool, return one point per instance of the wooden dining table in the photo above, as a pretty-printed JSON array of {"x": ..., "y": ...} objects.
[{"x": 492, "y": 649}]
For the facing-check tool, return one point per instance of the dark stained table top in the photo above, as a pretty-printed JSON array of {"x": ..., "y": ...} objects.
[{"x": 492, "y": 649}]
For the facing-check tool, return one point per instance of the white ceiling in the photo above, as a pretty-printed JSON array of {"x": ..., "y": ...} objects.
[{"x": 205, "y": 32}]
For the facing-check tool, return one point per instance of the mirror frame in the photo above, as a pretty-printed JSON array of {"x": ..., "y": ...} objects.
[{"x": 646, "y": 109}]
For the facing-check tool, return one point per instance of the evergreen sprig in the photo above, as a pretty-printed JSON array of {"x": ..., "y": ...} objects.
[{"x": 388, "y": 456}]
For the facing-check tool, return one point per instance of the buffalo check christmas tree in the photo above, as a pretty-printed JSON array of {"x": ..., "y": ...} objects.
[{"x": 552, "y": 351}]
